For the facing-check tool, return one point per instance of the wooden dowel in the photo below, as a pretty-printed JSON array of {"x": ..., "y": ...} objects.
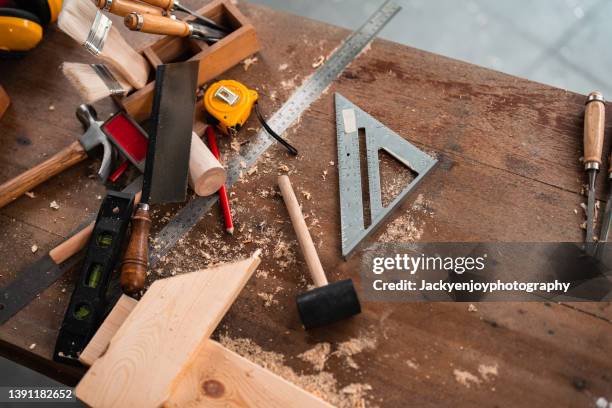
[
  {"x": 206, "y": 174},
  {"x": 26, "y": 181},
  {"x": 72, "y": 245},
  {"x": 125, "y": 7},
  {"x": 301, "y": 230},
  {"x": 594, "y": 125}
]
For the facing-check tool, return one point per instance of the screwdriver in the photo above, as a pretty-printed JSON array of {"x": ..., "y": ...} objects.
[{"x": 594, "y": 123}]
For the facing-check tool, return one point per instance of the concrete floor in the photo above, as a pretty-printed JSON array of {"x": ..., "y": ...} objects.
[{"x": 557, "y": 42}]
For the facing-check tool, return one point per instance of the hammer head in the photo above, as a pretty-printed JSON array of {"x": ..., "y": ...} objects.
[
  {"x": 328, "y": 304},
  {"x": 94, "y": 137}
]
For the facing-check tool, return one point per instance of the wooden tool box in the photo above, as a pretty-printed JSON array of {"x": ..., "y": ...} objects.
[{"x": 214, "y": 59}]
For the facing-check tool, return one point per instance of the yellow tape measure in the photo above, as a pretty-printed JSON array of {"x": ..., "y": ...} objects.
[{"x": 230, "y": 104}]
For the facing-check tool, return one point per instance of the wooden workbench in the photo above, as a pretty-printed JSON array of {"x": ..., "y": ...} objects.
[{"x": 510, "y": 171}]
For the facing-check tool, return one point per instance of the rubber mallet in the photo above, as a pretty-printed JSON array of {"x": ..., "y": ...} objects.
[{"x": 327, "y": 303}]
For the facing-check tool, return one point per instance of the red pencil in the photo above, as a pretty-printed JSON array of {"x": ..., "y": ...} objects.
[{"x": 223, "y": 200}]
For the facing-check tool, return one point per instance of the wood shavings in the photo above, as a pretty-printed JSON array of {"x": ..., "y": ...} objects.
[
  {"x": 408, "y": 227},
  {"x": 324, "y": 175},
  {"x": 472, "y": 308},
  {"x": 356, "y": 345},
  {"x": 307, "y": 195},
  {"x": 248, "y": 62},
  {"x": 323, "y": 384},
  {"x": 466, "y": 378},
  {"x": 32, "y": 346},
  {"x": 317, "y": 356},
  {"x": 51, "y": 108},
  {"x": 283, "y": 168},
  {"x": 283, "y": 67},
  {"x": 252, "y": 171},
  {"x": 412, "y": 364},
  {"x": 318, "y": 62},
  {"x": 34, "y": 248},
  {"x": 235, "y": 145},
  {"x": 487, "y": 370},
  {"x": 30, "y": 194},
  {"x": 54, "y": 205},
  {"x": 268, "y": 299}
]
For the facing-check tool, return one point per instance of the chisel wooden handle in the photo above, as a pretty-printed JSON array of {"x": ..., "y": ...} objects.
[
  {"x": 136, "y": 260},
  {"x": 301, "y": 230},
  {"x": 148, "y": 23},
  {"x": 165, "y": 4},
  {"x": 61, "y": 161},
  {"x": 594, "y": 124},
  {"x": 125, "y": 7}
]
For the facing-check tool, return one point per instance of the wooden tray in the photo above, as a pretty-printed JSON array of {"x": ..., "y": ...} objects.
[{"x": 214, "y": 59}]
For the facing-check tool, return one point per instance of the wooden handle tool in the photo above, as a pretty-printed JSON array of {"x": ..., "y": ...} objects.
[
  {"x": 165, "y": 4},
  {"x": 594, "y": 124},
  {"x": 136, "y": 261},
  {"x": 151, "y": 24},
  {"x": 125, "y": 7},
  {"x": 5, "y": 101},
  {"x": 301, "y": 230},
  {"x": 30, "y": 179}
]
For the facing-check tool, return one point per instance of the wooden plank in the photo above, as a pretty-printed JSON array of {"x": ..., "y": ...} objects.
[
  {"x": 175, "y": 317},
  {"x": 218, "y": 376}
]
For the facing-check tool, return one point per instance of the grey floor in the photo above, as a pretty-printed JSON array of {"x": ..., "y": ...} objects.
[{"x": 564, "y": 43}]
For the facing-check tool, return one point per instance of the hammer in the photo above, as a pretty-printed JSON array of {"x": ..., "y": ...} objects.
[
  {"x": 327, "y": 303},
  {"x": 66, "y": 158}
]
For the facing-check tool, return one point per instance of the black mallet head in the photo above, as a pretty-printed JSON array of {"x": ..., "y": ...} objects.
[{"x": 328, "y": 304}]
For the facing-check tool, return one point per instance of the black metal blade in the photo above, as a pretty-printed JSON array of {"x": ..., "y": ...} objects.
[{"x": 167, "y": 167}]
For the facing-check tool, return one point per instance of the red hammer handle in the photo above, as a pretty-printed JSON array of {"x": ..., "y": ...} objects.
[
  {"x": 26, "y": 181},
  {"x": 301, "y": 230}
]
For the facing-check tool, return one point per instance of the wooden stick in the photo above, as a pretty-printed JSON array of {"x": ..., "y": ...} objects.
[
  {"x": 147, "y": 23},
  {"x": 5, "y": 101},
  {"x": 206, "y": 174},
  {"x": 26, "y": 181},
  {"x": 125, "y": 7},
  {"x": 594, "y": 125},
  {"x": 301, "y": 230}
]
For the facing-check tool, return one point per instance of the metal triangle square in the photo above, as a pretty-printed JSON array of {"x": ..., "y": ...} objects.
[{"x": 349, "y": 119}]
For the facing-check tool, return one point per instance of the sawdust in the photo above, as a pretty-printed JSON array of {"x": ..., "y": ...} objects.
[
  {"x": 410, "y": 226},
  {"x": 319, "y": 61},
  {"x": 248, "y": 62},
  {"x": 30, "y": 194},
  {"x": 54, "y": 205},
  {"x": 317, "y": 356},
  {"x": 283, "y": 67},
  {"x": 412, "y": 364},
  {"x": 322, "y": 384},
  {"x": 487, "y": 370},
  {"x": 268, "y": 299},
  {"x": 472, "y": 308},
  {"x": 356, "y": 345},
  {"x": 466, "y": 378}
]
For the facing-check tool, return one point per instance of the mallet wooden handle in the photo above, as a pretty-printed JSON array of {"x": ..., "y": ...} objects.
[
  {"x": 125, "y": 7},
  {"x": 136, "y": 260},
  {"x": 165, "y": 4},
  {"x": 26, "y": 181},
  {"x": 148, "y": 23},
  {"x": 594, "y": 124},
  {"x": 301, "y": 230}
]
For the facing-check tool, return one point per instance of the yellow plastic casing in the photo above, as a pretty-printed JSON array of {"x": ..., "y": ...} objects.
[
  {"x": 231, "y": 118},
  {"x": 55, "y": 6},
  {"x": 19, "y": 34}
]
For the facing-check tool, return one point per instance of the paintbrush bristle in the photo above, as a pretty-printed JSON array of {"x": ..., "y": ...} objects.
[
  {"x": 76, "y": 18},
  {"x": 88, "y": 83}
]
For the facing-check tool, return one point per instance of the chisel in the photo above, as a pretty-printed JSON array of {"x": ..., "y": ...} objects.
[
  {"x": 125, "y": 7},
  {"x": 594, "y": 123},
  {"x": 171, "y": 5},
  {"x": 151, "y": 24}
]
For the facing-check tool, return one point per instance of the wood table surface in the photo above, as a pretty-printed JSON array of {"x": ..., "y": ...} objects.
[{"x": 509, "y": 170}]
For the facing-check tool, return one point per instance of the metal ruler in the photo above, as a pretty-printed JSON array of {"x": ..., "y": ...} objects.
[
  {"x": 288, "y": 114},
  {"x": 349, "y": 119}
]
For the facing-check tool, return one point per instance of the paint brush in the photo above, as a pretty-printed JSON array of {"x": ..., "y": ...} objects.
[
  {"x": 82, "y": 21},
  {"x": 95, "y": 81}
]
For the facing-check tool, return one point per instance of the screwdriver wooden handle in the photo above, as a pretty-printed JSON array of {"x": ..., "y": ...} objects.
[
  {"x": 301, "y": 230},
  {"x": 165, "y": 4},
  {"x": 148, "y": 23},
  {"x": 594, "y": 124},
  {"x": 26, "y": 181},
  {"x": 125, "y": 7},
  {"x": 136, "y": 260}
]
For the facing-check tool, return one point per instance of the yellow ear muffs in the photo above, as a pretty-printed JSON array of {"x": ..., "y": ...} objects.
[
  {"x": 55, "y": 6},
  {"x": 19, "y": 30},
  {"x": 46, "y": 10}
]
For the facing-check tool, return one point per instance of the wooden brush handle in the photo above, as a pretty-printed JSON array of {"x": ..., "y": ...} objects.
[
  {"x": 301, "y": 230},
  {"x": 151, "y": 24},
  {"x": 165, "y": 4},
  {"x": 61, "y": 161},
  {"x": 136, "y": 260},
  {"x": 125, "y": 7},
  {"x": 594, "y": 124}
]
